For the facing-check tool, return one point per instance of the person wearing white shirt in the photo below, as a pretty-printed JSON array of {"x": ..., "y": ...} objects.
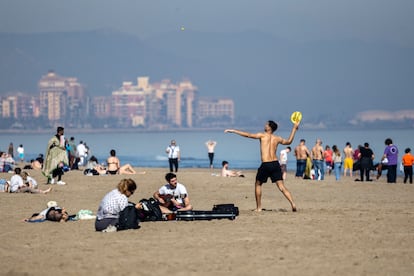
[
  {"x": 17, "y": 185},
  {"x": 81, "y": 151},
  {"x": 173, "y": 196},
  {"x": 174, "y": 155},
  {"x": 20, "y": 152},
  {"x": 283, "y": 158}
]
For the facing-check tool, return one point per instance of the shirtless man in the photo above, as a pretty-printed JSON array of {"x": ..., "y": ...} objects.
[
  {"x": 348, "y": 160},
  {"x": 270, "y": 166},
  {"x": 301, "y": 154},
  {"x": 317, "y": 159},
  {"x": 210, "y": 144},
  {"x": 226, "y": 172}
]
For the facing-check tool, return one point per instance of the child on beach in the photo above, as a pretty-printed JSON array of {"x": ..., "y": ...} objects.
[{"x": 408, "y": 161}]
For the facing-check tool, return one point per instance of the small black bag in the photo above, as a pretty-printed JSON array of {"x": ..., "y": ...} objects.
[
  {"x": 129, "y": 218},
  {"x": 226, "y": 208},
  {"x": 151, "y": 210}
]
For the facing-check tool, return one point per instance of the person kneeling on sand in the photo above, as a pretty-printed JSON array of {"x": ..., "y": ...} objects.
[
  {"x": 173, "y": 196},
  {"x": 226, "y": 172}
]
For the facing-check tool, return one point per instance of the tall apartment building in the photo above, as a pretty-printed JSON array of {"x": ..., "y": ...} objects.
[
  {"x": 128, "y": 105},
  {"x": 53, "y": 96},
  {"x": 62, "y": 99},
  {"x": 155, "y": 105},
  {"x": 102, "y": 106},
  {"x": 215, "y": 112},
  {"x": 19, "y": 106}
]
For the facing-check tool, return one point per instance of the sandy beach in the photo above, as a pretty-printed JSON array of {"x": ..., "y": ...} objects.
[{"x": 341, "y": 228}]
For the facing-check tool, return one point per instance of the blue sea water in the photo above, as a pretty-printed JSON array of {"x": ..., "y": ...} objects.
[{"x": 147, "y": 149}]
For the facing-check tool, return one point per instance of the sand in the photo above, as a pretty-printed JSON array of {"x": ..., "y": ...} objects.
[{"x": 341, "y": 228}]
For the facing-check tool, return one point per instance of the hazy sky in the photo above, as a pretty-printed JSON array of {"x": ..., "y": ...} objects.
[
  {"x": 300, "y": 20},
  {"x": 379, "y": 63}
]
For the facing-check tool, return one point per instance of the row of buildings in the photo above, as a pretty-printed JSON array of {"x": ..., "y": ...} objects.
[{"x": 163, "y": 105}]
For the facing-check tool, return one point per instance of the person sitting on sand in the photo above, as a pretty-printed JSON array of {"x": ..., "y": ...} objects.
[
  {"x": 113, "y": 203},
  {"x": 17, "y": 185},
  {"x": 28, "y": 180},
  {"x": 226, "y": 172},
  {"x": 37, "y": 164},
  {"x": 93, "y": 167},
  {"x": 114, "y": 165},
  {"x": 173, "y": 196},
  {"x": 54, "y": 213}
]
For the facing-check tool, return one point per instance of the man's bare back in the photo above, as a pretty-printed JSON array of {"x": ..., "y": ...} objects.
[
  {"x": 301, "y": 151},
  {"x": 268, "y": 146},
  {"x": 348, "y": 151}
]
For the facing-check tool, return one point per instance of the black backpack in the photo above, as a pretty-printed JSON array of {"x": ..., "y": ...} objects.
[
  {"x": 129, "y": 218},
  {"x": 151, "y": 210}
]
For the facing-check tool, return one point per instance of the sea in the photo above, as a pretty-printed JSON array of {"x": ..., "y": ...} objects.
[{"x": 147, "y": 149}]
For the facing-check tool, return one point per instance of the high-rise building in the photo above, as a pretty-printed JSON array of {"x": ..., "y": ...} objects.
[
  {"x": 102, "y": 106},
  {"x": 154, "y": 106},
  {"x": 128, "y": 105},
  {"x": 18, "y": 106},
  {"x": 53, "y": 96},
  {"x": 215, "y": 112},
  {"x": 63, "y": 100}
]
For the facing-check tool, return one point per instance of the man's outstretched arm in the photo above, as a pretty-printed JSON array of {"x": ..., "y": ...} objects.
[{"x": 243, "y": 133}]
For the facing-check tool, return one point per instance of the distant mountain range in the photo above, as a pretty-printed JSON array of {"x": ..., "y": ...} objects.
[{"x": 266, "y": 76}]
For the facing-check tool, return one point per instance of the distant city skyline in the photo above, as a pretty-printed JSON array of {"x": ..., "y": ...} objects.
[{"x": 63, "y": 101}]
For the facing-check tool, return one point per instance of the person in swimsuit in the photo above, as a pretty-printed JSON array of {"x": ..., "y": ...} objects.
[
  {"x": 270, "y": 166},
  {"x": 114, "y": 165}
]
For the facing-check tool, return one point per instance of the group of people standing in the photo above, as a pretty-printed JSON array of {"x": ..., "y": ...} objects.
[{"x": 312, "y": 163}]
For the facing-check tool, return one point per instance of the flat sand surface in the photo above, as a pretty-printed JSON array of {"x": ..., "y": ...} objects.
[{"x": 341, "y": 228}]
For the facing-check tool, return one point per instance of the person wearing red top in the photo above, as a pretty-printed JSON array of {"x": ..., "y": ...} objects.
[
  {"x": 327, "y": 155},
  {"x": 408, "y": 161}
]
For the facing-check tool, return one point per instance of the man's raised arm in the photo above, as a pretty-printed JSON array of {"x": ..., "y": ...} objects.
[{"x": 291, "y": 136}]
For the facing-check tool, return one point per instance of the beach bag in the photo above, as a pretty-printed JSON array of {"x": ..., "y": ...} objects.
[
  {"x": 129, "y": 218},
  {"x": 151, "y": 210},
  {"x": 226, "y": 208},
  {"x": 90, "y": 172}
]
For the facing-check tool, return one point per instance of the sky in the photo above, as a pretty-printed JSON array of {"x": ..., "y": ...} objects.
[
  {"x": 299, "y": 20},
  {"x": 375, "y": 22}
]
